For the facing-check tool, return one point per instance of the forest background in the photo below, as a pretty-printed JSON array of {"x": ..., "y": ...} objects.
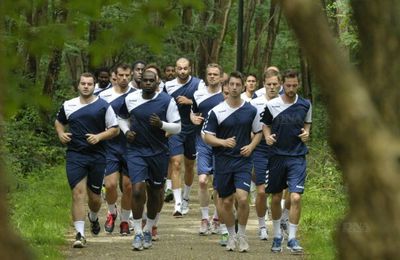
[{"x": 46, "y": 44}]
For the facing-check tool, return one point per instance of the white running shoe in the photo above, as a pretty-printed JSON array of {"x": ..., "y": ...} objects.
[
  {"x": 185, "y": 206},
  {"x": 263, "y": 233},
  {"x": 204, "y": 227},
  {"x": 231, "y": 245},
  {"x": 243, "y": 245}
]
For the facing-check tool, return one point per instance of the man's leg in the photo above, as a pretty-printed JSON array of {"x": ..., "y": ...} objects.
[
  {"x": 276, "y": 212},
  {"x": 111, "y": 183},
  {"x": 189, "y": 176},
  {"x": 137, "y": 205},
  {"x": 204, "y": 200},
  {"x": 125, "y": 205},
  {"x": 261, "y": 209},
  {"x": 94, "y": 203},
  {"x": 243, "y": 216},
  {"x": 175, "y": 166},
  {"x": 294, "y": 218},
  {"x": 154, "y": 199}
]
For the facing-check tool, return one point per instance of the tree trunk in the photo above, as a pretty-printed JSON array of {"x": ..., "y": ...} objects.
[
  {"x": 363, "y": 110},
  {"x": 305, "y": 76},
  {"x": 93, "y": 31},
  {"x": 273, "y": 26},
  {"x": 248, "y": 19},
  {"x": 11, "y": 246},
  {"x": 222, "y": 9}
]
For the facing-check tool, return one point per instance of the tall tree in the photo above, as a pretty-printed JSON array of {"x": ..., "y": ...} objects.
[
  {"x": 273, "y": 27},
  {"x": 364, "y": 113}
]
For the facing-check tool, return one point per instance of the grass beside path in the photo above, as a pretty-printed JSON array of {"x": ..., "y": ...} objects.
[{"x": 40, "y": 211}]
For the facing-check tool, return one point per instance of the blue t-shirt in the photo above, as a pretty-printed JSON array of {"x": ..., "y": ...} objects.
[
  {"x": 259, "y": 103},
  {"x": 286, "y": 121},
  {"x": 175, "y": 89},
  {"x": 116, "y": 145},
  {"x": 149, "y": 140},
  {"x": 225, "y": 122},
  {"x": 92, "y": 118}
]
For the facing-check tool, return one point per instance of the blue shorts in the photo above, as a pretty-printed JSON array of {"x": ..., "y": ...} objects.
[
  {"x": 260, "y": 162},
  {"x": 116, "y": 163},
  {"x": 152, "y": 169},
  {"x": 205, "y": 157},
  {"x": 286, "y": 172},
  {"x": 227, "y": 183},
  {"x": 80, "y": 165},
  {"x": 183, "y": 143}
]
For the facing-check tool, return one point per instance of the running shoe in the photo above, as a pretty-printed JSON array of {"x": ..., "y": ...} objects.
[
  {"x": 80, "y": 241},
  {"x": 277, "y": 244},
  {"x": 124, "y": 228},
  {"x": 110, "y": 222},
  {"x": 263, "y": 233},
  {"x": 204, "y": 227},
  {"x": 185, "y": 206},
  {"x": 224, "y": 239},
  {"x": 137, "y": 243},
  {"x": 215, "y": 226},
  {"x": 242, "y": 243},
  {"x": 231, "y": 244},
  {"x": 94, "y": 226},
  {"x": 294, "y": 246},
  {"x": 147, "y": 240},
  {"x": 169, "y": 195},
  {"x": 154, "y": 234}
]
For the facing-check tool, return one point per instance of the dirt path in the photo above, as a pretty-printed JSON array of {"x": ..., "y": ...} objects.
[{"x": 179, "y": 239}]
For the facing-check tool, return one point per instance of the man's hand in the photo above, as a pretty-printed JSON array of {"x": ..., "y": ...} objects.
[
  {"x": 65, "y": 138},
  {"x": 229, "y": 142},
  {"x": 182, "y": 100},
  {"x": 304, "y": 136},
  {"x": 271, "y": 139},
  {"x": 92, "y": 139},
  {"x": 196, "y": 118},
  {"x": 155, "y": 121},
  {"x": 130, "y": 136},
  {"x": 246, "y": 150}
]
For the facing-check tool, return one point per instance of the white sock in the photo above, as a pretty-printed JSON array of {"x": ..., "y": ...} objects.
[
  {"x": 292, "y": 231},
  {"x": 80, "y": 227},
  {"x": 252, "y": 186},
  {"x": 137, "y": 226},
  {"x": 241, "y": 230},
  {"x": 156, "y": 219},
  {"x": 283, "y": 204},
  {"x": 285, "y": 214},
  {"x": 276, "y": 226},
  {"x": 231, "y": 231},
  {"x": 204, "y": 212},
  {"x": 149, "y": 224},
  {"x": 215, "y": 216},
  {"x": 186, "y": 192},
  {"x": 261, "y": 222},
  {"x": 168, "y": 184},
  {"x": 112, "y": 208},
  {"x": 125, "y": 214},
  {"x": 92, "y": 215},
  {"x": 223, "y": 229},
  {"x": 144, "y": 215},
  {"x": 178, "y": 198}
]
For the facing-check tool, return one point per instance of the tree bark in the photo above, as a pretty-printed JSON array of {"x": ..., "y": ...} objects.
[
  {"x": 363, "y": 110},
  {"x": 248, "y": 19},
  {"x": 305, "y": 76},
  {"x": 273, "y": 27}
]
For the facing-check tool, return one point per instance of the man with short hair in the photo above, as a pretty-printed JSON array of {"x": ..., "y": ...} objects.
[
  {"x": 228, "y": 130},
  {"x": 250, "y": 87},
  {"x": 91, "y": 120},
  {"x": 137, "y": 71},
  {"x": 262, "y": 152},
  {"x": 103, "y": 80},
  {"x": 203, "y": 101},
  {"x": 287, "y": 123},
  {"x": 116, "y": 161},
  {"x": 182, "y": 145},
  {"x": 154, "y": 113},
  {"x": 169, "y": 73}
]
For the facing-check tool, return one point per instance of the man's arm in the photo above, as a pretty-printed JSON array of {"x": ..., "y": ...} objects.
[
  {"x": 248, "y": 149},
  {"x": 269, "y": 138},
  {"x": 214, "y": 141},
  {"x": 62, "y": 135}
]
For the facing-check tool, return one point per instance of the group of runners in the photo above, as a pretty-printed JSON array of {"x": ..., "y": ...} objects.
[{"x": 135, "y": 131}]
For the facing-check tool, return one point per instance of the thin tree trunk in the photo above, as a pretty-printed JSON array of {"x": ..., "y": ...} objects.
[
  {"x": 248, "y": 19},
  {"x": 220, "y": 17},
  {"x": 273, "y": 27},
  {"x": 305, "y": 76}
]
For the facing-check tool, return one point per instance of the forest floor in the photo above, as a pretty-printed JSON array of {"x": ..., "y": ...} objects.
[{"x": 179, "y": 239}]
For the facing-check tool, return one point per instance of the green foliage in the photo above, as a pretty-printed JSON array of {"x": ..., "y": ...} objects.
[
  {"x": 30, "y": 143},
  {"x": 40, "y": 211},
  {"x": 325, "y": 201}
]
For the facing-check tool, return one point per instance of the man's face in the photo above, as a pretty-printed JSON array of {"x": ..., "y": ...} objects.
[
  {"x": 114, "y": 78},
  {"x": 123, "y": 77},
  {"x": 104, "y": 79},
  {"x": 137, "y": 72},
  {"x": 148, "y": 84},
  {"x": 272, "y": 86},
  {"x": 213, "y": 77},
  {"x": 251, "y": 83},
  {"x": 169, "y": 73},
  {"x": 183, "y": 69},
  {"x": 235, "y": 87},
  {"x": 155, "y": 72},
  {"x": 290, "y": 86},
  {"x": 86, "y": 86}
]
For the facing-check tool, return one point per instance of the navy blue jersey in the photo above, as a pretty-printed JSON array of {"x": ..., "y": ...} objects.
[
  {"x": 286, "y": 121},
  {"x": 225, "y": 122},
  {"x": 259, "y": 103},
  {"x": 116, "y": 100},
  {"x": 204, "y": 101},
  {"x": 175, "y": 89},
  {"x": 83, "y": 119},
  {"x": 149, "y": 140}
]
